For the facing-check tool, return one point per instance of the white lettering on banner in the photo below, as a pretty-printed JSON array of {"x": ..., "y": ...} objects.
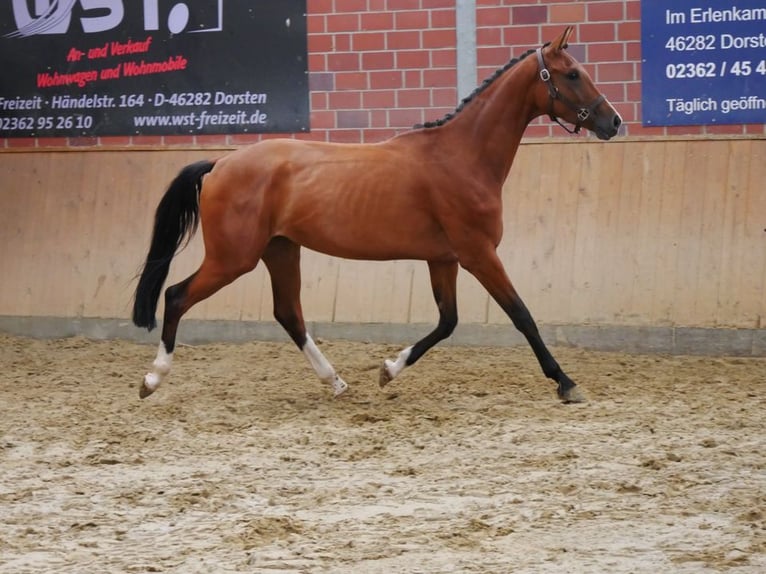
[
  {"x": 729, "y": 41},
  {"x": 55, "y": 16},
  {"x": 733, "y": 14}
]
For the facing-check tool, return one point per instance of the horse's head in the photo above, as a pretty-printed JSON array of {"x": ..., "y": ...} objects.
[{"x": 569, "y": 93}]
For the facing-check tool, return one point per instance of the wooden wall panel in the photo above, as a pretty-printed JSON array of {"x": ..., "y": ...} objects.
[{"x": 629, "y": 233}]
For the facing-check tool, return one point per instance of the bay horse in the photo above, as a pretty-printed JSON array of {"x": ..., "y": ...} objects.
[{"x": 432, "y": 193}]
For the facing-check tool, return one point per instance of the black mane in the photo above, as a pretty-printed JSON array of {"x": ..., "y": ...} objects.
[{"x": 483, "y": 86}]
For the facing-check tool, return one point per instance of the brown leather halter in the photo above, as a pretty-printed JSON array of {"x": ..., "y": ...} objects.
[{"x": 583, "y": 113}]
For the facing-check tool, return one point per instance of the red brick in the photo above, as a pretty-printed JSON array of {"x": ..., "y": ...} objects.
[
  {"x": 403, "y": 40},
  {"x": 317, "y": 62},
  {"x": 322, "y": 119},
  {"x": 319, "y": 6},
  {"x": 415, "y": 20},
  {"x": 342, "y": 23},
  {"x": 492, "y": 17},
  {"x": 622, "y": 72},
  {"x": 629, "y": 31},
  {"x": 344, "y": 61},
  {"x": 725, "y": 130},
  {"x": 526, "y": 36},
  {"x": 368, "y": 42},
  {"x": 633, "y": 51},
  {"x": 341, "y": 43},
  {"x": 412, "y": 59},
  {"x": 439, "y": 38},
  {"x": 405, "y": 118},
  {"x": 682, "y": 130},
  {"x": 436, "y": 4},
  {"x": 385, "y": 80},
  {"x": 109, "y": 141},
  {"x": 353, "y": 119},
  {"x": 633, "y": 10},
  {"x": 318, "y": 100},
  {"x": 577, "y": 51},
  {"x": 377, "y": 21},
  {"x": 378, "y": 60},
  {"x": 633, "y": 91},
  {"x": 321, "y": 81},
  {"x": 606, "y": 11},
  {"x": 615, "y": 92},
  {"x": 489, "y": 36},
  {"x": 315, "y": 25},
  {"x": 413, "y": 78},
  {"x": 529, "y": 14},
  {"x": 147, "y": 140},
  {"x": 413, "y": 98},
  {"x": 379, "y": 99},
  {"x": 597, "y": 33},
  {"x": 571, "y": 13},
  {"x": 209, "y": 140},
  {"x": 351, "y": 80},
  {"x": 320, "y": 43},
  {"x": 443, "y": 18},
  {"x": 492, "y": 56},
  {"x": 345, "y": 100},
  {"x": 439, "y": 78},
  {"x": 444, "y": 97},
  {"x": 394, "y": 5},
  {"x": 28, "y": 142},
  {"x": 607, "y": 52},
  {"x": 91, "y": 141},
  {"x": 443, "y": 58},
  {"x": 350, "y": 5}
]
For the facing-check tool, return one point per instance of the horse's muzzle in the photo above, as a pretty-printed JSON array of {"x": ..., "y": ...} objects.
[{"x": 608, "y": 126}]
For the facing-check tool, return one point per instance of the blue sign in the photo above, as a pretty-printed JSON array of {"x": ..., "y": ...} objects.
[{"x": 703, "y": 62}]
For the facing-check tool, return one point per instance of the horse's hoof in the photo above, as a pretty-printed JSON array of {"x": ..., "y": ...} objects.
[
  {"x": 150, "y": 384},
  {"x": 339, "y": 386},
  {"x": 571, "y": 395},
  {"x": 385, "y": 376},
  {"x": 144, "y": 391}
]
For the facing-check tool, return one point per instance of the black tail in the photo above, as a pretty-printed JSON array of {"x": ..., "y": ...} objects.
[{"x": 177, "y": 218}]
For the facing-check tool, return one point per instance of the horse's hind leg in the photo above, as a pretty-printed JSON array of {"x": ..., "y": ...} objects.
[
  {"x": 488, "y": 269},
  {"x": 179, "y": 298},
  {"x": 444, "y": 286},
  {"x": 282, "y": 258}
]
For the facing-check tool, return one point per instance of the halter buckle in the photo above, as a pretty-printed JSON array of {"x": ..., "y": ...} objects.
[
  {"x": 583, "y": 114},
  {"x": 545, "y": 75}
]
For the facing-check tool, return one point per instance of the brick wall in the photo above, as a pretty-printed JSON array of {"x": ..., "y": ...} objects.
[{"x": 379, "y": 66}]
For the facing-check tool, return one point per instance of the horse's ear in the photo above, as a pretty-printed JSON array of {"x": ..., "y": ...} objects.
[{"x": 563, "y": 40}]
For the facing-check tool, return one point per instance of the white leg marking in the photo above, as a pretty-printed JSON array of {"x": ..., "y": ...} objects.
[
  {"x": 396, "y": 367},
  {"x": 323, "y": 368},
  {"x": 161, "y": 367}
]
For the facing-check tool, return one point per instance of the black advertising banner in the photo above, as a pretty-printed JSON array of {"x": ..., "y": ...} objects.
[{"x": 152, "y": 67}]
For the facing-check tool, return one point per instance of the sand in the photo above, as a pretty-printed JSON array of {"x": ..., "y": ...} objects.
[{"x": 243, "y": 462}]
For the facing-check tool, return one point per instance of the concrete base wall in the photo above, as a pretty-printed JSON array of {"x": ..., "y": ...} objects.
[{"x": 631, "y": 339}]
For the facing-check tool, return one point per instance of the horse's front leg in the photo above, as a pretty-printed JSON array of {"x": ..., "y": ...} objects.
[
  {"x": 487, "y": 268},
  {"x": 443, "y": 284}
]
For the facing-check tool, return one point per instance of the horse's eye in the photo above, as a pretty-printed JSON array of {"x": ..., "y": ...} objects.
[{"x": 573, "y": 75}]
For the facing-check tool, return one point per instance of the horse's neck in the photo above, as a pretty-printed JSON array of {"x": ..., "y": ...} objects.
[{"x": 490, "y": 128}]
